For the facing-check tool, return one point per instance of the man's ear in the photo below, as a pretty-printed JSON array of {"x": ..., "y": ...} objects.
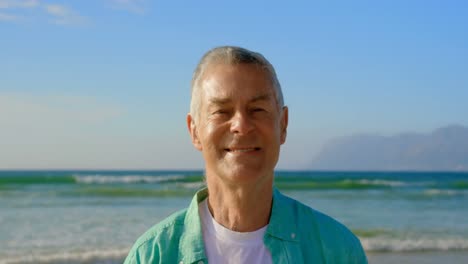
[
  {"x": 193, "y": 132},
  {"x": 283, "y": 124}
]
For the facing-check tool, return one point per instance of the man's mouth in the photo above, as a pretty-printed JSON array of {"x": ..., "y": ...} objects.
[{"x": 241, "y": 150}]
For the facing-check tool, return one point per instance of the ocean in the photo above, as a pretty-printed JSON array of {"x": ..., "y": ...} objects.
[{"x": 52, "y": 216}]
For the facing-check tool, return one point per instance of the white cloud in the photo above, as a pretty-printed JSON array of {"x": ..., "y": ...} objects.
[
  {"x": 12, "y": 5},
  {"x": 58, "y": 131},
  {"x": 57, "y": 10},
  {"x": 8, "y": 17},
  {"x": 17, "y": 10},
  {"x": 133, "y": 6},
  {"x": 9, "y": 4},
  {"x": 63, "y": 15},
  {"x": 60, "y": 14}
]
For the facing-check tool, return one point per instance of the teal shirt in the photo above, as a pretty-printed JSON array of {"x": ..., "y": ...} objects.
[{"x": 295, "y": 234}]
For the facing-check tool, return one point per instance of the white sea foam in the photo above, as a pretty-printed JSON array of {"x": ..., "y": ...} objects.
[
  {"x": 381, "y": 182},
  {"x": 106, "y": 179},
  {"x": 385, "y": 244},
  {"x": 439, "y": 192},
  {"x": 117, "y": 255},
  {"x": 91, "y": 256},
  {"x": 192, "y": 185}
]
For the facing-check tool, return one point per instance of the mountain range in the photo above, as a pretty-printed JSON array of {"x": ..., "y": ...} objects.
[{"x": 445, "y": 149}]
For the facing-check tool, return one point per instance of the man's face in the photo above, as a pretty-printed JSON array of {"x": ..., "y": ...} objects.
[{"x": 239, "y": 128}]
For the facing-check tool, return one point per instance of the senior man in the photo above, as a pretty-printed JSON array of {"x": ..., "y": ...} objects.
[{"x": 238, "y": 122}]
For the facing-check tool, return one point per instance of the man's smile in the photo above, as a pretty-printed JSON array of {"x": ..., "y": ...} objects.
[{"x": 239, "y": 150}]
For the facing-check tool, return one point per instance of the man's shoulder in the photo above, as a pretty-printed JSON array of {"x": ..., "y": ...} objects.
[
  {"x": 335, "y": 238},
  {"x": 160, "y": 233},
  {"x": 166, "y": 225},
  {"x": 309, "y": 214}
]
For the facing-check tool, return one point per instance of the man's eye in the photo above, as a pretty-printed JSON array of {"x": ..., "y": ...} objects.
[
  {"x": 258, "y": 110},
  {"x": 220, "y": 112}
]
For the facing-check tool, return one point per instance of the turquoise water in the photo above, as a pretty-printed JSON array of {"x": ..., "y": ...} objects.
[{"x": 95, "y": 216}]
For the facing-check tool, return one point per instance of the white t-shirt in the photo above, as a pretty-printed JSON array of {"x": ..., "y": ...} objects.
[{"x": 223, "y": 245}]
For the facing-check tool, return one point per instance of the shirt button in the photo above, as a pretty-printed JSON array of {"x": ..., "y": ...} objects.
[
  {"x": 181, "y": 262},
  {"x": 293, "y": 235},
  {"x": 200, "y": 262}
]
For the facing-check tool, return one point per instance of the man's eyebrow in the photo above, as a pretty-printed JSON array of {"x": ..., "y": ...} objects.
[
  {"x": 261, "y": 97},
  {"x": 219, "y": 101}
]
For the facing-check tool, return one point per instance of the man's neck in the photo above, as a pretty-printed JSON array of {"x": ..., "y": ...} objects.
[{"x": 240, "y": 208}]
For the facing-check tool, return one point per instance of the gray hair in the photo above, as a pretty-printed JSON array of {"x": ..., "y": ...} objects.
[{"x": 231, "y": 55}]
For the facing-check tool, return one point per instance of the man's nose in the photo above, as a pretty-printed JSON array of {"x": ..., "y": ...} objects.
[{"x": 241, "y": 123}]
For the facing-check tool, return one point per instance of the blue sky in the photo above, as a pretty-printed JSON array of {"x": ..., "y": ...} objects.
[{"x": 105, "y": 83}]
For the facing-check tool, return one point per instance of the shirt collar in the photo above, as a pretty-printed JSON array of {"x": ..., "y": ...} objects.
[
  {"x": 281, "y": 223},
  {"x": 191, "y": 247}
]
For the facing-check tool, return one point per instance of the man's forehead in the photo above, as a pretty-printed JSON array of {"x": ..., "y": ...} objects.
[
  {"x": 224, "y": 83},
  {"x": 219, "y": 72},
  {"x": 225, "y": 99}
]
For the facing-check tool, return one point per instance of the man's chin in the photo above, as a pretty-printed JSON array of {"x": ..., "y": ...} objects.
[{"x": 244, "y": 174}]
